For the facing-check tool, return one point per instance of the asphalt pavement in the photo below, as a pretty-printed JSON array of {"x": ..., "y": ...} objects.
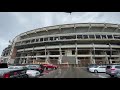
[{"x": 71, "y": 72}]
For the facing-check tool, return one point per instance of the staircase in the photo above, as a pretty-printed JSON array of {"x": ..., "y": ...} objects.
[{"x": 69, "y": 59}]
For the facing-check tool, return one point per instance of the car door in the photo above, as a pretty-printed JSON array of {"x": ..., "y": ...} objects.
[
  {"x": 102, "y": 68},
  {"x": 117, "y": 68}
]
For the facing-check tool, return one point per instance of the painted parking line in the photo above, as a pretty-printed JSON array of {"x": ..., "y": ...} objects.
[{"x": 101, "y": 76}]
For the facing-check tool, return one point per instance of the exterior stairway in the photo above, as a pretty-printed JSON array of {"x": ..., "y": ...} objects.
[{"x": 69, "y": 59}]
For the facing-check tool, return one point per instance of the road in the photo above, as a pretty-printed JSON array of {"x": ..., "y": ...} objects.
[{"x": 72, "y": 72}]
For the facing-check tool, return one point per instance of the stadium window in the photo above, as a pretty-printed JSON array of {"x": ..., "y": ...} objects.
[
  {"x": 113, "y": 61},
  {"x": 70, "y": 37},
  {"x": 37, "y": 40},
  {"x": 62, "y": 38},
  {"x": 104, "y": 37},
  {"x": 27, "y": 42},
  {"x": 79, "y": 36},
  {"x": 41, "y": 39},
  {"x": 63, "y": 52},
  {"x": 116, "y": 36},
  {"x": 33, "y": 40},
  {"x": 98, "y": 37},
  {"x": 45, "y": 39},
  {"x": 51, "y": 38},
  {"x": 91, "y": 36},
  {"x": 85, "y": 36},
  {"x": 73, "y": 52},
  {"x": 56, "y": 38},
  {"x": 109, "y": 36}
]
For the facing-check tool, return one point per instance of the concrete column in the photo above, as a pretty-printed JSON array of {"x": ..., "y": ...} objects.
[
  {"x": 48, "y": 38},
  {"x": 88, "y": 37},
  {"x": 30, "y": 41},
  {"x": 39, "y": 40},
  {"x": 48, "y": 55},
  {"x": 76, "y": 36},
  {"x": 27, "y": 60},
  {"x": 45, "y": 54},
  {"x": 106, "y": 58},
  {"x": 74, "y": 27},
  {"x": 106, "y": 36},
  {"x": 94, "y": 36},
  {"x": 110, "y": 53},
  {"x": 91, "y": 58},
  {"x": 35, "y": 40},
  {"x": 113, "y": 36},
  {"x": 33, "y": 52},
  {"x": 94, "y": 54},
  {"x": 20, "y": 60},
  {"x": 60, "y": 29},
  {"x": 100, "y": 36},
  {"x": 89, "y": 27},
  {"x": 60, "y": 58},
  {"x": 76, "y": 53}
]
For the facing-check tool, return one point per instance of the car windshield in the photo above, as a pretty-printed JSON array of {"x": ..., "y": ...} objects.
[{"x": 95, "y": 66}]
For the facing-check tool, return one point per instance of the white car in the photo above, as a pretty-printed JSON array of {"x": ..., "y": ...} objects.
[
  {"x": 97, "y": 69},
  {"x": 30, "y": 73},
  {"x": 33, "y": 73}
]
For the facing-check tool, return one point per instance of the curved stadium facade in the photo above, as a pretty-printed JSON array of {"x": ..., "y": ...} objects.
[{"x": 79, "y": 43}]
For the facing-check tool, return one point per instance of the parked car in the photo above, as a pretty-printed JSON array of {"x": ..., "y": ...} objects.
[
  {"x": 91, "y": 65},
  {"x": 50, "y": 66},
  {"x": 97, "y": 69},
  {"x": 18, "y": 67},
  {"x": 6, "y": 72},
  {"x": 30, "y": 73},
  {"x": 38, "y": 67},
  {"x": 113, "y": 70},
  {"x": 33, "y": 73},
  {"x": 118, "y": 75}
]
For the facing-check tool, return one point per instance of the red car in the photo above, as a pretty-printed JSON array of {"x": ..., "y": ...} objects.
[{"x": 50, "y": 66}]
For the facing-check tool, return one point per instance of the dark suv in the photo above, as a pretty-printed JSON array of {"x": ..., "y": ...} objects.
[{"x": 38, "y": 67}]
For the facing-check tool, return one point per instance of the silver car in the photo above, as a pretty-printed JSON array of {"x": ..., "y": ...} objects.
[{"x": 113, "y": 70}]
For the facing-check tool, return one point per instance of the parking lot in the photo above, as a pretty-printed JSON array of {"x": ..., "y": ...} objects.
[
  {"x": 99, "y": 75},
  {"x": 72, "y": 72}
]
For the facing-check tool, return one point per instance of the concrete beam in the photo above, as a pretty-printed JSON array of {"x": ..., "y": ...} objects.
[
  {"x": 89, "y": 27},
  {"x": 105, "y": 26}
]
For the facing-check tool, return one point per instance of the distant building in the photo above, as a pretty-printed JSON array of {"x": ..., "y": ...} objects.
[
  {"x": 6, "y": 54},
  {"x": 78, "y": 43}
]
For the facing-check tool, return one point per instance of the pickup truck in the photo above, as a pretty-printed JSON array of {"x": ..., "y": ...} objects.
[{"x": 5, "y": 72}]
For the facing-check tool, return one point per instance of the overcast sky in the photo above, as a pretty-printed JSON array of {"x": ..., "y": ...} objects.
[{"x": 14, "y": 23}]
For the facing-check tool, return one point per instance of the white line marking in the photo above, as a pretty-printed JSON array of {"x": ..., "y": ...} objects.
[{"x": 102, "y": 76}]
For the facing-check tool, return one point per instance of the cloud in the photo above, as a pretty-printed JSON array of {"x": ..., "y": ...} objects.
[
  {"x": 14, "y": 23},
  {"x": 3, "y": 44}
]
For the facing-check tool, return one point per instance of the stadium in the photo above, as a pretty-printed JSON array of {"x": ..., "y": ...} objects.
[{"x": 78, "y": 43}]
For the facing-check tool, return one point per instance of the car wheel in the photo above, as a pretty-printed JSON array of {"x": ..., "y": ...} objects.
[
  {"x": 26, "y": 76},
  {"x": 95, "y": 71},
  {"x": 46, "y": 68}
]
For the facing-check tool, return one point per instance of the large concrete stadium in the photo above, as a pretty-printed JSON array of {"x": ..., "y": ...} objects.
[{"x": 78, "y": 43}]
